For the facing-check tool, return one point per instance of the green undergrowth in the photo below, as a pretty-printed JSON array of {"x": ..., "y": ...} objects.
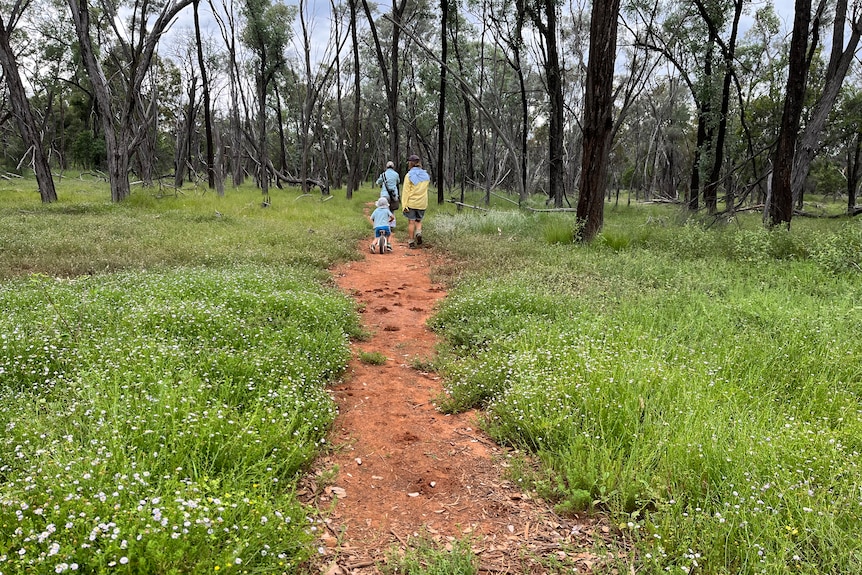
[
  {"x": 702, "y": 386},
  {"x": 157, "y": 422},
  {"x": 163, "y": 372}
]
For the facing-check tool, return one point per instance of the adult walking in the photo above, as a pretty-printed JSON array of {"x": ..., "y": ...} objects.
[
  {"x": 388, "y": 182},
  {"x": 415, "y": 199}
]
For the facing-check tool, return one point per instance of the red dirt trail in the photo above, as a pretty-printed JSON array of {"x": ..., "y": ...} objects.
[{"x": 401, "y": 472}]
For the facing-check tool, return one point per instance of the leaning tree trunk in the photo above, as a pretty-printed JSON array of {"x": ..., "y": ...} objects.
[
  {"x": 839, "y": 63},
  {"x": 24, "y": 117}
]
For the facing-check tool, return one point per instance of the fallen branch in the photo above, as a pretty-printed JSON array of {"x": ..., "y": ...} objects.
[{"x": 457, "y": 203}]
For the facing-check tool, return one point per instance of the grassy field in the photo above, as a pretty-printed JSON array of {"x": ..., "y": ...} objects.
[
  {"x": 701, "y": 386},
  {"x": 163, "y": 365}
]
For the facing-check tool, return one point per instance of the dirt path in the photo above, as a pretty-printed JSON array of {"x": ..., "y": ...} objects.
[{"x": 405, "y": 470}]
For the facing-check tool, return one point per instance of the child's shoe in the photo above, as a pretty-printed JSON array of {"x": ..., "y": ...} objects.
[
  {"x": 388, "y": 247},
  {"x": 411, "y": 244},
  {"x": 373, "y": 247},
  {"x": 418, "y": 238}
]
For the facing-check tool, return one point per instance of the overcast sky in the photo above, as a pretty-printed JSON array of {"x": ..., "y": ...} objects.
[{"x": 318, "y": 17}]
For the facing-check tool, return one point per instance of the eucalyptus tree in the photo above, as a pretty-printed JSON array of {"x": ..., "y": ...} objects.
[
  {"x": 20, "y": 108},
  {"x": 315, "y": 80},
  {"x": 714, "y": 16},
  {"x": 508, "y": 33},
  {"x": 389, "y": 66},
  {"x": 441, "y": 111},
  {"x": 543, "y": 15},
  {"x": 267, "y": 31},
  {"x": 848, "y": 118},
  {"x": 779, "y": 208},
  {"x": 226, "y": 17},
  {"x": 354, "y": 157},
  {"x": 598, "y": 117},
  {"x": 205, "y": 85},
  {"x": 121, "y": 117},
  {"x": 185, "y": 121},
  {"x": 841, "y": 56}
]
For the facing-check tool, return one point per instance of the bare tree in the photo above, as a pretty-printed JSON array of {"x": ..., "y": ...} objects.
[
  {"x": 544, "y": 16},
  {"x": 121, "y": 117},
  {"x": 21, "y": 105}
]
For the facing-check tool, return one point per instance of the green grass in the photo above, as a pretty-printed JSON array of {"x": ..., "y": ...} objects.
[
  {"x": 701, "y": 386},
  {"x": 372, "y": 357},
  {"x": 84, "y": 233},
  {"x": 426, "y": 558},
  {"x": 163, "y": 365}
]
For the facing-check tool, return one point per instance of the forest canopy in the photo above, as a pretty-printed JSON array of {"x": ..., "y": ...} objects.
[{"x": 709, "y": 99}]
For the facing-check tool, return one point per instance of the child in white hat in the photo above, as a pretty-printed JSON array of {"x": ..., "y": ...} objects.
[{"x": 382, "y": 219}]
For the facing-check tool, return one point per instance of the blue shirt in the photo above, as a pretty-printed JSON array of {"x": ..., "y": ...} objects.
[
  {"x": 389, "y": 180},
  {"x": 380, "y": 217}
]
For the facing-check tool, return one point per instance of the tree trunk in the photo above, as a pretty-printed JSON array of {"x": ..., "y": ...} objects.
[
  {"x": 598, "y": 117},
  {"x": 854, "y": 155},
  {"x": 546, "y": 23},
  {"x": 24, "y": 115},
  {"x": 121, "y": 139},
  {"x": 839, "y": 63},
  {"x": 183, "y": 155},
  {"x": 390, "y": 69},
  {"x": 710, "y": 192},
  {"x": 355, "y": 158},
  {"x": 441, "y": 110},
  {"x": 780, "y": 209},
  {"x": 208, "y": 126},
  {"x": 262, "y": 152}
]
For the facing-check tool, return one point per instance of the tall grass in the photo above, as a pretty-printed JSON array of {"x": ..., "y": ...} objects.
[
  {"x": 703, "y": 386},
  {"x": 162, "y": 377},
  {"x": 84, "y": 233}
]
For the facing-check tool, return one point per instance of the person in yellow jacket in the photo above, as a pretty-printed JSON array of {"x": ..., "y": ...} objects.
[{"x": 414, "y": 199}]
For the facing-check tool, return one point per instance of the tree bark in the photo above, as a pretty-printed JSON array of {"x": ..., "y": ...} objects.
[
  {"x": 208, "y": 127},
  {"x": 598, "y": 118},
  {"x": 355, "y": 154},
  {"x": 780, "y": 209},
  {"x": 441, "y": 110}
]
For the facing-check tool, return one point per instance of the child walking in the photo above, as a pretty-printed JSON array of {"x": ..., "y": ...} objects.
[{"x": 382, "y": 219}]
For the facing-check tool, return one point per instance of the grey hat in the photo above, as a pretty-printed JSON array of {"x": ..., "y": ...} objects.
[
  {"x": 390, "y": 164},
  {"x": 382, "y": 203}
]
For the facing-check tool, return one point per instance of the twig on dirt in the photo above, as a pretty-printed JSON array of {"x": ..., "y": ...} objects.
[
  {"x": 361, "y": 564},
  {"x": 488, "y": 569},
  {"x": 485, "y": 441},
  {"x": 398, "y": 537}
]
